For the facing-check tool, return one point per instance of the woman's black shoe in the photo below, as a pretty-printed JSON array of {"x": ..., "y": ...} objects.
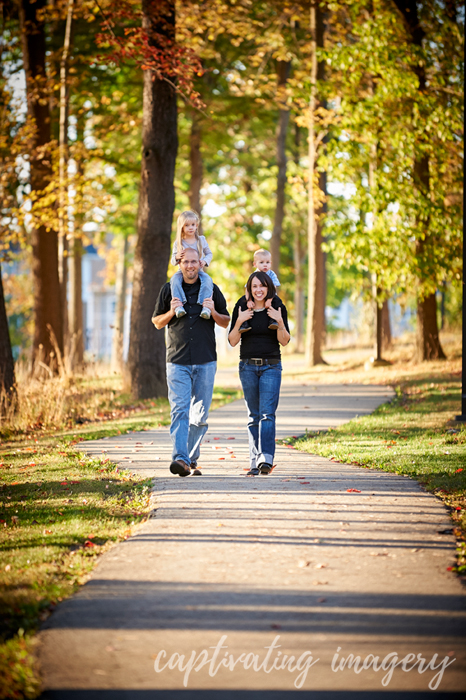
[
  {"x": 265, "y": 468},
  {"x": 253, "y": 472},
  {"x": 244, "y": 327}
]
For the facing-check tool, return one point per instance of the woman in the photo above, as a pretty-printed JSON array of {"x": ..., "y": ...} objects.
[{"x": 260, "y": 368}]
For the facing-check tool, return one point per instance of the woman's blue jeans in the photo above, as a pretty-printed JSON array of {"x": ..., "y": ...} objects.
[
  {"x": 261, "y": 388},
  {"x": 205, "y": 292}
]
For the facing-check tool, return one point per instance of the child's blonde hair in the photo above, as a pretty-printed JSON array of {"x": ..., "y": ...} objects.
[
  {"x": 260, "y": 253},
  {"x": 182, "y": 219}
]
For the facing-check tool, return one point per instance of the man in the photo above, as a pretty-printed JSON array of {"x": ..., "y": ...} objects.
[{"x": 191, "y": 362}]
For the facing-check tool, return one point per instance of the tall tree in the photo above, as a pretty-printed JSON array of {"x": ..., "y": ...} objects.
[
  {"x": 195, "y": 162},
  {"x": 146, "y": 360},
  {"x": 283, "y": 72},
  {"x": 428, "y": 345},
  {"x": 316, "y": 260},
  {"x": 120, "y": 293},
  {"x": 63, "y": 167},
  {"x": 47, "y": 307},
  {"x": 7, "y": 366}
]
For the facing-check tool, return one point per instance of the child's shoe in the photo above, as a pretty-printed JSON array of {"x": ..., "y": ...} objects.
[
  {"x": 244, "y": 327},
  {"x": 205, "y": 313},
  {"x": 180, "y": 311},
  {"x": 273, "y": 326}
]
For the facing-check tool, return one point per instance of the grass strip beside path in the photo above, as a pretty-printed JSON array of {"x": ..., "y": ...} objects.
[
  {"x": 59, "y": 510},
  {"x": 408, "y": 436}
]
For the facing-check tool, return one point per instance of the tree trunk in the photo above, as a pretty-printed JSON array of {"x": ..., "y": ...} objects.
[
  {"x": 283, "y": 72},
  {"x": 76, "y": 320},
  {"x": 298, "y": 254},
  {"x": 427, "y": 337},
  {"x": 298, "y": 259},
  {"x": 76, "y": 330},
  {"x": 322, "y": 256},
  {"x": 146, "y": 361},
  {"x": 196, "y": 164},
  {"x": 47, "y": 307},
  {"x": 63, "y": 167},
  {"x": 387, "y": 339},
  {"x": 316, "y": 295},
  {"x": 7, "y": 365},
  {"x": 377, "y": 321},
  {"x": 119, "y": 322}
]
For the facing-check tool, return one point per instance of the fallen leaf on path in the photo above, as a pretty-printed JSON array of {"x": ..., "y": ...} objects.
[
  {"x": 304, "y": 482},
  {"x": 302, "y": 564},
  {"x": 220, "y": 458},
  {"x": 353, "y": 490},
  {"x": 321, "y": 600},
  {"x": 276, "y": 627},
  {"x": 320, "y": 566}
]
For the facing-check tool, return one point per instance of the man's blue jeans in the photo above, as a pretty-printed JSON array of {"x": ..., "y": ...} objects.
[
  {"x": 190, "y": 389},
  {"x": 261, "y": 388}
]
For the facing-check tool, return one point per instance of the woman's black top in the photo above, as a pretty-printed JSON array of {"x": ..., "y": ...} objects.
[{"x": 260, "y": 341}]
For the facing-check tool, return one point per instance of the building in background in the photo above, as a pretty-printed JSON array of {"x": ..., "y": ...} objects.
[{"x": 99, "y": 303}]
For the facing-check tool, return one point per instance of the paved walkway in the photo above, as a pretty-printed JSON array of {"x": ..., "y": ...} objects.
[{"x": 317, "y": 561}]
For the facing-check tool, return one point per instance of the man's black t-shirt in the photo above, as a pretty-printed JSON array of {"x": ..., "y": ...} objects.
[
  {"x": 260, "y": 341},
  {"x": 191, "y": 339}
]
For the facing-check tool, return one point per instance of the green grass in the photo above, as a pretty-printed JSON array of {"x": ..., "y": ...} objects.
[
  {"x": 59, "y": 510},
  {"x": 409, "y": 436}
]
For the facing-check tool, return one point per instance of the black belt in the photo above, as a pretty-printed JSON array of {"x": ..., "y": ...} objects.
[{"x": 258, "y": 361}]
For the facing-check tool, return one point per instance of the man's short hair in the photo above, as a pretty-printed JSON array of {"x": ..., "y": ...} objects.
[{"x": 260, "y": 253}]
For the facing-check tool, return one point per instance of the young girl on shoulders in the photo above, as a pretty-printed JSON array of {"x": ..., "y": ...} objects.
[{"x": 187, "y": 236}]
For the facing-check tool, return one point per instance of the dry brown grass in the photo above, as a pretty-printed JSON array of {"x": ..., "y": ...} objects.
[{"x": 47, "y": 402}]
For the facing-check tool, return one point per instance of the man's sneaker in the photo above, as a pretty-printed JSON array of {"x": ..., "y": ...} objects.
[
  {"x": 205, "y": 313},
  {"x": 195, "y": 470},
  {"x": 253, "y": 472},
  {"x": 273, "y": 326},
  {"x": 180, "y": 311},
  {"x": 265, "y": 468},
  {"x": 180, "y": 468},
  {"x": 244, "y": 327}
]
